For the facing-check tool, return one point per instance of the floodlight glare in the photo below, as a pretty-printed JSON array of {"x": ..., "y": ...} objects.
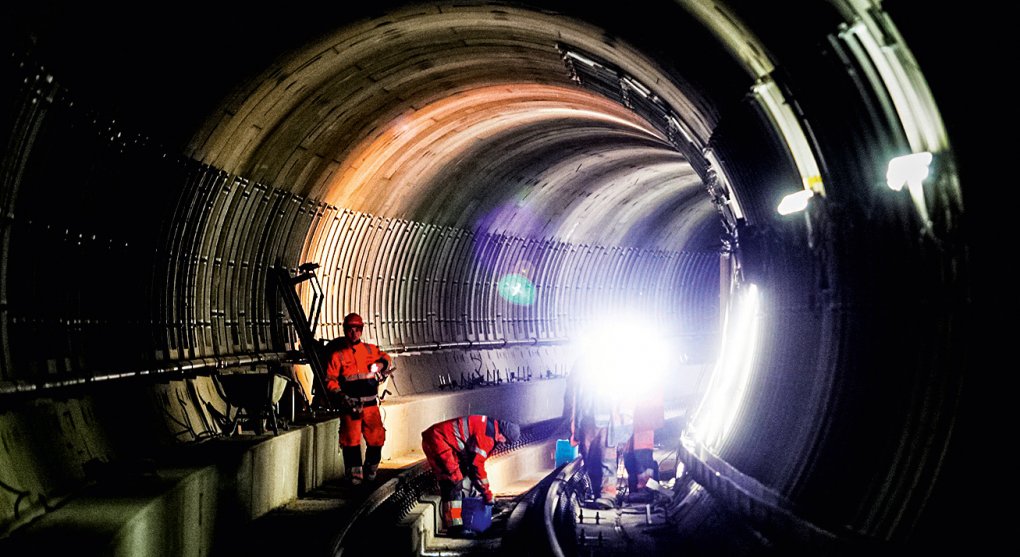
[
  {"x": 795, "y": 202},
  {"x": 909, "y": 169},
  {"x": 624, "y": 375}
]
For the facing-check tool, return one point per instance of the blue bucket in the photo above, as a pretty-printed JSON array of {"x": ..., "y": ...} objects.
[
  {"x": 565, "y": 452},
  {"x": 476, "y": 514}
]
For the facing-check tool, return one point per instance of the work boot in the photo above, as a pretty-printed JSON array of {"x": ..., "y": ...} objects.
[
  {"x": 373, "y": 455},
  {"x": 605, "y": 503},
  {"x": 641, "y": 496},
  {"x": 607, "y": 497},
  {"x": 355, "y": 475}
]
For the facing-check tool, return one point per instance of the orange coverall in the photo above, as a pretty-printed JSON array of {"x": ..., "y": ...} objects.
[
  {"x": 350, "y": 372},
  {"x": 456, "y": 450},
  {"x": 638, "y": 459}
]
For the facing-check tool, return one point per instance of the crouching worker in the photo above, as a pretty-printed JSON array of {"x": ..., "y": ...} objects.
[{"x": 456, "y": 451}]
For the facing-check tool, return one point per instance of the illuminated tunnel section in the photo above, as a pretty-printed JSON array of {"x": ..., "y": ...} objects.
[{"x": 488, "y": 178}]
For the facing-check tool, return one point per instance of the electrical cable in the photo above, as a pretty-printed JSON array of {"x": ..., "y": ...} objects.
[{"x": 21, "y": 495}]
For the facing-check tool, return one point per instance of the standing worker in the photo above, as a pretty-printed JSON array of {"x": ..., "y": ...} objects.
[
  {"x": 456, "y": 450},
  {"x": 353, "y": 375},
  {"x": 615, "y": 393},
  {"x": 601, "y": 421},
  {"x": 639, "y": 456}
]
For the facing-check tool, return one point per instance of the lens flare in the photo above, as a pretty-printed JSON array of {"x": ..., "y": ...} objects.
[{"x": 516, "y": 288}]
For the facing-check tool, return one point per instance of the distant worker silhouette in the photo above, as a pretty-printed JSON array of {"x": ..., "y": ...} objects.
[
  {"x": 601, "y": 423},
  {"x": 638, "y": 458},
  {"x": 353, "y": 375}
]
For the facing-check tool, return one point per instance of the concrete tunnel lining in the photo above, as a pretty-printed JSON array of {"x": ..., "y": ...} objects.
[{"x": 821, "y": 302}]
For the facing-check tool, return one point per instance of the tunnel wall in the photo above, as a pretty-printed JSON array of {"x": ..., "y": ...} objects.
[
  {"x": 169, "y": 259},
  {"x": 864, "y": 293},
  {"x": 871, "y": 296},
  {"x": 132, "y": 276},
  {"x": 419, "y": 284},
  {"x": 197, "y": 503},
  {"x": 56, "y": 445}
]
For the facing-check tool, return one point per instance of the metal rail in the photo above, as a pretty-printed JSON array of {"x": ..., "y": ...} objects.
[
  {"x": 392, "y": 501},
  {"x": 765, "y": 509},
  {"x": 387, "y": 505}
]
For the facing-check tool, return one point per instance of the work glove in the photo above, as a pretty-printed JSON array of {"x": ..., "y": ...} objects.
[
  {"x": 354, "y": 407},
  {"x": 340, "y": 400},
  {"x": 336, "y": 399},
  {"x": 481, "y": 489},
  {"x": 345, "y": 404},
  {"x": 467, "y": 488}
]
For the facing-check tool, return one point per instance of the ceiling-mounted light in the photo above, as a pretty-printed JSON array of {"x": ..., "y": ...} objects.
[
  {"x": 674, "y": 122},
  {"x": 795, "y": 202},
  {"x": 791, "y": 130},
  {"x": 582, "y": 59},
  {"x": 909, "y": 169},
  {"x": 637, "y": 86}
]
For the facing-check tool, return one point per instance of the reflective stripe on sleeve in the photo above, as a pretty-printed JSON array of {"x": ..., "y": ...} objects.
[{"x": 461, "y": 434}]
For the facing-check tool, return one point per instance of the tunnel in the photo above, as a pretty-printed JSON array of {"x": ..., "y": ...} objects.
[{"x": 484, "y": 181}]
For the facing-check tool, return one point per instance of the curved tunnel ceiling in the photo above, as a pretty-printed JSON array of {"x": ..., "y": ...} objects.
[
  {"x": 414, "y": 115},
  {"x": 468, "y": 115}
]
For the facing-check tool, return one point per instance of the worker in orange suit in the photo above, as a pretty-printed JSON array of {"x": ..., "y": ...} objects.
[
  {"x": 456, "y": 450},
  {"x": 638, "y": 457},
  {"x": 353, "y": 375}
]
